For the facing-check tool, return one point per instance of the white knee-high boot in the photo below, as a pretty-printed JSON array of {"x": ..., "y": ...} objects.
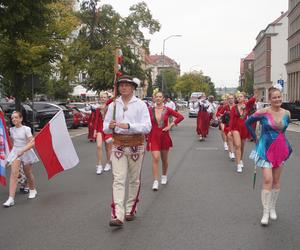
[
  {"x": 274, "y": 197},
  {"x": 266, "y": 201}
]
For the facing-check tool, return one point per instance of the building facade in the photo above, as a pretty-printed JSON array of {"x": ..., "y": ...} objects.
[
  {"x": 270, "y": 54},
  {"x": 293, "y": 64},
  {"x": 158, "y": 63},
  {"x": 246, "y": 69}
]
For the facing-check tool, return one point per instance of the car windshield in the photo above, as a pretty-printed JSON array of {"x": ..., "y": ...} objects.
[
  {"x": 79, "y": 105},
  {"x": 43, "y": 106}
]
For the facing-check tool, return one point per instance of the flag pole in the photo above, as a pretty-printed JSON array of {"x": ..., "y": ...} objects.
[{"x": 118, "y": 54}]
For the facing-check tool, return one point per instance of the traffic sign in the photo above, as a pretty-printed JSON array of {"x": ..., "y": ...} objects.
[{"x": 281, "y": 82}]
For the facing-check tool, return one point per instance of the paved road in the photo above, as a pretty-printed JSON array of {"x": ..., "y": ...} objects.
[{"x": 206, "y": 204}]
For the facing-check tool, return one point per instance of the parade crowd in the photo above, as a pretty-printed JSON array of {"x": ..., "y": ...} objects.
[{"x": 127, "y": 127}]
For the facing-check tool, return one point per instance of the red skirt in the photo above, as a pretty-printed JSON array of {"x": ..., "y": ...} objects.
[
  {"x": 242, "y": 129},
  {"x": 159, "y": 140},
  {"x": 203, "y": 123}
]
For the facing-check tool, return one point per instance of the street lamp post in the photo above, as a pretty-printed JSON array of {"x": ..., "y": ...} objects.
[{"x": 163, "y": 64}]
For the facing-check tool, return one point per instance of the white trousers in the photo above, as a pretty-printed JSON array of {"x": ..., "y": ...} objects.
[{"x": 126, "y": 163}]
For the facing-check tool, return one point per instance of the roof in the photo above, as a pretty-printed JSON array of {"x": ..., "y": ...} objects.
[
  {"x": 250, "y": 57},
  {"x": 158, "y": 59},
  {"x": 263, "y": 32},
  {"x": 283, "y": 14}
]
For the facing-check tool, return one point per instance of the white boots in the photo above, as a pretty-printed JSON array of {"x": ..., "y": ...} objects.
[
  {"x": 274, "y": 197},
  {"x": 268, "y": 199}
]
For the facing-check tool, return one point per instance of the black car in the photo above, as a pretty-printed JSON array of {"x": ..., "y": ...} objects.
[
  {"x": 44, "y": 111},
  {"x": 294, "y": 108},
  {"x": 27, "y": 113}
]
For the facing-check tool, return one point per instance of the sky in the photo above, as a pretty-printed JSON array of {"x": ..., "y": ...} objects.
[{"x": 215, "y": 34}]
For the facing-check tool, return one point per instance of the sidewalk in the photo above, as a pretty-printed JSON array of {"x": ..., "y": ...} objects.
[{"x": 294, "y": 126}]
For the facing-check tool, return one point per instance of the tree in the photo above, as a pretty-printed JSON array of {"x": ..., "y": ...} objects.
[
  {"x": 150, "y": 85},
  {"x": 194, "y": 82},
  {"x": 32, "y": 38},
  {"x": 169, "y": 77},
  {"x": 102, "y": 30}
]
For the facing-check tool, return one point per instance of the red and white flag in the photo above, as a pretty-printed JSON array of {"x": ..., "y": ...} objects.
[{"x": 55, "y": 147}]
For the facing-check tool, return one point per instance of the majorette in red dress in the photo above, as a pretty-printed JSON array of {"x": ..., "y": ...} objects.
[
  {"x": 237, "y": 120},
  {"x": 98, "y": 122},
  {"x": 157, "y": 139},
  {"x": 224, "y": 115}
]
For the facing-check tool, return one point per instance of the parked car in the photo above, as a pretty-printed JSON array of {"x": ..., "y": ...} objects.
[
  {"x": 27, "y": 113},
  {"x": 77, "y": 116},
  {"x": 84, "y": 109},
  {"x": 294, "y": 108},
  {"x": 46, "y": 110}
]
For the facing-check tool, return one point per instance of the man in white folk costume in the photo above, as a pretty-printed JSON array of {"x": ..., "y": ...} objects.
[{"x": 128, "y": 120}]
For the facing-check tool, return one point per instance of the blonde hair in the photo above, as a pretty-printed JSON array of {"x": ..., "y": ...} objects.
[
  {"x": 155, "y": 91},
  {"x": 103, "y": 93}
]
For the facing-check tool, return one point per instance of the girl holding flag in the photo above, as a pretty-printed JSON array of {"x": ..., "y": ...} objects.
[{"x": 22, "y": 151}]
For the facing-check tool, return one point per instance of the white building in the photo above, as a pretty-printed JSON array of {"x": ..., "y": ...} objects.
[{"x": 271, "y": 55}]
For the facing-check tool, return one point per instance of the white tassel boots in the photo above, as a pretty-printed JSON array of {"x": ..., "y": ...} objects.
[
  {"x": 274, "y": 197},
  {"x": 266, "y": 202}
]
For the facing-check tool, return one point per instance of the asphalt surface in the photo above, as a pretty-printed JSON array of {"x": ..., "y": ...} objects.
[{"x": 205, "y": 205}]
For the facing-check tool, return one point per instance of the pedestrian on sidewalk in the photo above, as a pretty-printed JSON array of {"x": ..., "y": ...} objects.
[
  {"x": 238, "y": 115},
  {"x": 129, "y": 120},
  {"x": 100, "y": 136},
  {"x": 159, "y": 140},
  {"x": 271, "y": 151},
  {"x": 21, "y": 152}
]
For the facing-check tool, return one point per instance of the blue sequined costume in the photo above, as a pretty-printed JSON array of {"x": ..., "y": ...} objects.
[{"x": 272, "y": 149}]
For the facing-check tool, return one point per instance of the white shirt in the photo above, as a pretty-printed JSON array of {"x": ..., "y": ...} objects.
[
  {"x": 137, "y": 115},
  {"x": 196, "y": 105},
  {"x": 171, "y": 105},
  {"x": 20, "y": 135}
]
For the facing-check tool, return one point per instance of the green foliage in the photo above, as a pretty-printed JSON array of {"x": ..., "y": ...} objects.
[
  {"x": 168, "y": 77},
  {"x": 194, "y": 82},
  {"x": 32, "y": 39},
  {"x": 102, "y": 30}
]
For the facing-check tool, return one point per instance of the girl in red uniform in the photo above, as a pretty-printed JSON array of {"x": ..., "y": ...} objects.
[
  {"x": 100, "y": 135},
  {"x": 238, "y": 115},
  {"x": 224, "y": 116},
  {"x": 159, "y": 140}
]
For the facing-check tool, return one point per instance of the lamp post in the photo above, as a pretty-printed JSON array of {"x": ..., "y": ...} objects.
[{"x": 163, "y": 53}]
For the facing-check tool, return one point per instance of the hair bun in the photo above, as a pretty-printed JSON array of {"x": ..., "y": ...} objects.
[{"x": 278, "y": 86}]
